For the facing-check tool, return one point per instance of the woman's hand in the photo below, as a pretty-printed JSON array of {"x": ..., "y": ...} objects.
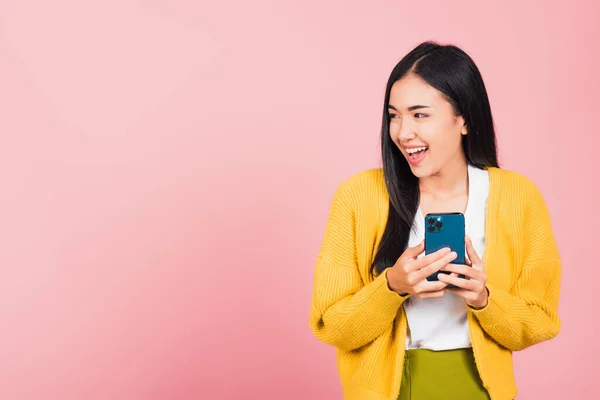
[
  {"x": 472, "y": 287},
  {"x": 409, "y": 275}
]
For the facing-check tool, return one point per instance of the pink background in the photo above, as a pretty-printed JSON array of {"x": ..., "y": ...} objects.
[{"x": 167, "y": 168}]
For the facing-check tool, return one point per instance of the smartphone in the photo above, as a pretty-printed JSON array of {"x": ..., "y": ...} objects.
[{"x": 445, "y": 230}]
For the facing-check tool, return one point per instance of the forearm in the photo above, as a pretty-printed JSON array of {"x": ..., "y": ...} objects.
[
  {"x": 351, "y": 320},
  {"x": 517, "y": 322}
]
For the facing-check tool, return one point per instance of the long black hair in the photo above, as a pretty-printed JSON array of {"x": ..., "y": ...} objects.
[{"x": 450, "y": 70}]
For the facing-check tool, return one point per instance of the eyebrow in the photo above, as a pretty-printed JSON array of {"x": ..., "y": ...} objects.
[{"x": 411, "y": 108}]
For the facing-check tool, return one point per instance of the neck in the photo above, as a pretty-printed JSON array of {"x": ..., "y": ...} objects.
[{"x": 450, "y": 180}]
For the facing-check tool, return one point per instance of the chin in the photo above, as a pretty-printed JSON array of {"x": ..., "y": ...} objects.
[{"x": 421, "y": 171}]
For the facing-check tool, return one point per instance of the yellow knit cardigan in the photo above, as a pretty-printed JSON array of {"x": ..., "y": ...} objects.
[{"x": 366, "y": 321}]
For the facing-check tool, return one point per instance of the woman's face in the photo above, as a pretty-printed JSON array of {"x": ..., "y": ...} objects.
[{"x": 424, "y": 126}]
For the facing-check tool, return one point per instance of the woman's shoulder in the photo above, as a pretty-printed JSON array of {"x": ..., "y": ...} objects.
[
  {"x": 514, "y": 186},
  {"x": 510, "y": 180},
  {"x": 363, "y": 185},
  {"x": 371, "y": 178}
]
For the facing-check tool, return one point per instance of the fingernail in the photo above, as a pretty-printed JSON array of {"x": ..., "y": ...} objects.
[{"x": 452, "y": 255}]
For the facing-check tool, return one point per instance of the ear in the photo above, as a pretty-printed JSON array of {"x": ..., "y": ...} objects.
[{"x": 463, "y": 126}]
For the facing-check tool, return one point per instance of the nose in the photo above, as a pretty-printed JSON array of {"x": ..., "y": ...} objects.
[{"x": 407, "y": 130}]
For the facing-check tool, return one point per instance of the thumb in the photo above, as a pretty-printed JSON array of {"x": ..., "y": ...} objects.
[{"x": 413, "y": 252}]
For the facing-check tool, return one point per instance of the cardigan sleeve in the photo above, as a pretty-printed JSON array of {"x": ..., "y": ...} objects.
[
  {"x": 528, "y": 313},
  {"x": 347, "y": 312}
]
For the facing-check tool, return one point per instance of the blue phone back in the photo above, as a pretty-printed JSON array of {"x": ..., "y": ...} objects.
[{"x": 445, "y": 230}]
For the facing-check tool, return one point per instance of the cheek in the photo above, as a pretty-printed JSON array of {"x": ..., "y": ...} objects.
[
  {"x": 454, "y": 138},
  {"x": 449, "y": 149},
  {"x": 444, "y": 133},
  {"x": 432, "y": 134},
  {"x": 441, "y": 138}
]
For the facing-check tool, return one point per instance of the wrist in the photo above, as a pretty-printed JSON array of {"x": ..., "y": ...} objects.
[
  {"x": 392, "y": 286},
  {"x": 483, "y": 303}
]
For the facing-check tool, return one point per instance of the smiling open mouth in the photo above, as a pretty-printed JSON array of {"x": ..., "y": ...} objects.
[{"x": 416, "y": 153}]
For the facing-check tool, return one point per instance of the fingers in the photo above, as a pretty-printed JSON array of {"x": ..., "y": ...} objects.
[
  {"x": 473, "y": 256},
  {"x": 413, "y": 252},
  {"x": 465, "y": 294},
  {"x": 469, "y": 296},
  {"x": 470, "y": 285},
  {"x": 435, "y": 266},
  {"x": 428, "y": 259},
  {"x": 431, "y": 295},
  {"x": 425, "y": 286},
  {"x": 461, "y": 269}
]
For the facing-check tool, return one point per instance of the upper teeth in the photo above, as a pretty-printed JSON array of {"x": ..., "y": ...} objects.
[{"x": 415, "y": 149}]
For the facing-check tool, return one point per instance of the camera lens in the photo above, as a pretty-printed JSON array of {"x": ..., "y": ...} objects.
[
  {"x": 431, "y": 220},
  {"x": 438, "y": 224},
  {"x": 431, "y": 228}
]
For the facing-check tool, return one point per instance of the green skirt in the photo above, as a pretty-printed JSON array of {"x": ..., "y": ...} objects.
[{"x": 449, "y": 374}]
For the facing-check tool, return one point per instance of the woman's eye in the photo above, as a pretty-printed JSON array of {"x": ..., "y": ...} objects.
[
  {"x": 394, "y": 116},
  {"x": 420, "y": 115}
]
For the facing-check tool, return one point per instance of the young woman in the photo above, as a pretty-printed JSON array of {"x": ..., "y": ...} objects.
[{"x": 398, "y": 335}]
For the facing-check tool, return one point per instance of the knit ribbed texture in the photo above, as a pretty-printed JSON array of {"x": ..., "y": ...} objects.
[{"x": 365, "y": 320}]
